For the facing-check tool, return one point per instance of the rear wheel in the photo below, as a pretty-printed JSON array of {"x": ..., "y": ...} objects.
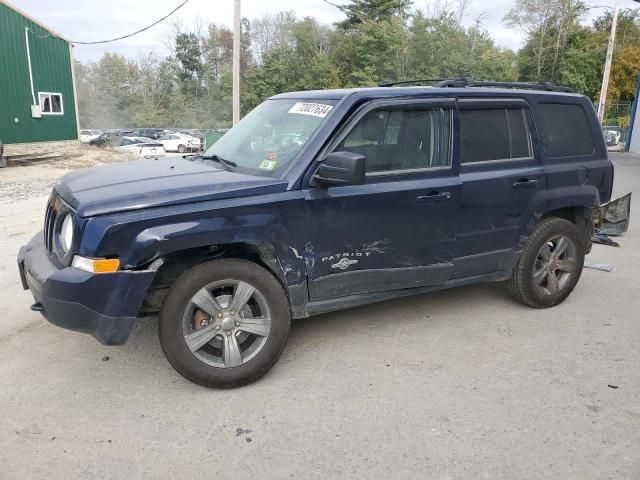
[
  {"x": 550, "y": 265},
  {"x": 224, "y": 323},
  {"x": 182, "y": 148}
]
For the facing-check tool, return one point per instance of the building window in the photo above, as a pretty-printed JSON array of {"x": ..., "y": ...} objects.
[{"x": 51, "y": 103}]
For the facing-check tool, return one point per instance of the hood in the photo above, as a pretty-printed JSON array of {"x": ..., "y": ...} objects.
[{"x": 156, "y": 182}]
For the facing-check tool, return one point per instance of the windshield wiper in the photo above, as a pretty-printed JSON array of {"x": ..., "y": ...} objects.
[{"x": 226, "y": 164}]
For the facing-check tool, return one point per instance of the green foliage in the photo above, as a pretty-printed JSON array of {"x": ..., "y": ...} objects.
[
  {"x": 441, "y": 47},
  {"x": 373, "y": 11},
  {"x": 379, "y": 40},
  {"x": 582, "y": 61}
]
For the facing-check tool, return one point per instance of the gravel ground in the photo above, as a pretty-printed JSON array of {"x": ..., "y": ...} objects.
[
  {"x": 36, "y": 179},
  {"x": 460, "y": 384}
]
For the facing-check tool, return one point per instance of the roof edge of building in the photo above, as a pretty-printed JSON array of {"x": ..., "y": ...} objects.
[{"x": 36, "y": 21}]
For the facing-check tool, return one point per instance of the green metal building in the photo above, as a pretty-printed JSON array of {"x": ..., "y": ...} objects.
[{"x": 37, "y": 89}]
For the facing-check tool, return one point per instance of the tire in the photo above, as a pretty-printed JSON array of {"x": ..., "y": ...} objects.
[
  {"x": 213, "y": 364},
  {"x": 182, "y": 148},
  {"x": 532, "y": 281}
]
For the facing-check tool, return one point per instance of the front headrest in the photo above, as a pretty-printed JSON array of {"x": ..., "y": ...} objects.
[{"x": 372, "y": 127}]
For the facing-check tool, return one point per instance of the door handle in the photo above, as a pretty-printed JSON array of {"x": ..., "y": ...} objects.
[
  {"x": 525, "y": 183},
  {"x": 434, "y": 197}
]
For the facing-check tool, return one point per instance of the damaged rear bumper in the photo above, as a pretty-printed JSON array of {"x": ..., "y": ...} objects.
[{"x": 612, "y": 218}]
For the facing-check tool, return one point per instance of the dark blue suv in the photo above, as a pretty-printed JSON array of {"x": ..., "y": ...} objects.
[{"x": 319, "y": 201}]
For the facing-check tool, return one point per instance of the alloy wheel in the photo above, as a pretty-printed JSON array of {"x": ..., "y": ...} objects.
[
  {"x": 556, "y": 265},
  {"x": 226, "y": 323}
]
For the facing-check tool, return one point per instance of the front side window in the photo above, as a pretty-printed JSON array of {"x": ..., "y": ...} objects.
[
  {"x": 401, "y": 139},
  {"x": 567, "y": 130},
  {"x": 50, "y": 103},
  {"x": 490, "y": 134},
  {"x": 270, "y": 136}
]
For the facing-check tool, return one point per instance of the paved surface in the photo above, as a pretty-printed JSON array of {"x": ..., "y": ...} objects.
[{"x": 462, "y": 384}]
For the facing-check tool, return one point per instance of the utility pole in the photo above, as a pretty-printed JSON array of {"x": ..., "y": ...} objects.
[
  {"x": 607, "y": 67},
  {"x": 236, "y": 61}
]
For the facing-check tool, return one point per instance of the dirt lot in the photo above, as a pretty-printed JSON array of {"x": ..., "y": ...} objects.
[
  {"x": 36, "y": 180},
  {"x": 462, "y": 384}
]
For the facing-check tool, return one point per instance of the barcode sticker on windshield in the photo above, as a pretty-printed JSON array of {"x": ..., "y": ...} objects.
[{"x": 315, "y": 109}]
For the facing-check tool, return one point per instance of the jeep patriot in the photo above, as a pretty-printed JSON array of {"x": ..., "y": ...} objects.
[{"x": 319, "y": 201}]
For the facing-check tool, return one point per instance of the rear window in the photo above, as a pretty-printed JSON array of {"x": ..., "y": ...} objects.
[
  {"x": 567, "y": 130},
  {"x": 493, "y": 134}
]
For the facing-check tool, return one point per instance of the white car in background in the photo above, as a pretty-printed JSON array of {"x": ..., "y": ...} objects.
[
  {"x": 141, "y": 146},
  {"x": 87, "y": 135},
  {"x": 180, "y": 142}
]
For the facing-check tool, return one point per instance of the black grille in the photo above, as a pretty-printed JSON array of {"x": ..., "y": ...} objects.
[{"x": 50, "y": 218}]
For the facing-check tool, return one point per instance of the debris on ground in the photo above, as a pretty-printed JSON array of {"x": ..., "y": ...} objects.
[
  {"x": 613, "y": 386},
  {"x": 603, "y": 267},
  {"x": 604, "y": 239},
  {"x": 26, "y": 160}
]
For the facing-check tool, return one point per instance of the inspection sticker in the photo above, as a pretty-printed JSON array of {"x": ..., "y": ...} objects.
[
  {"x": 315, "y": 109},
  {"x": 268, "y": 165}
]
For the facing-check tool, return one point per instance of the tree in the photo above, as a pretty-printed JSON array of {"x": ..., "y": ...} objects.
[
  {"x": 582, "y": 62},
  {"x": 371, "y": 45},
  {"x": 441, "y": 47},
  {"x": 304, "y": 65},
  {"x": 547, "y": 25},
  {"x": 624, "y": 75},
  {"x": 271, "y": 31},
  {"x": 373, "y": 11}
]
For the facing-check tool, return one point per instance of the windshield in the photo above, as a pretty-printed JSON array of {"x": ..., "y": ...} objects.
[{"x": 271, "y": 135}]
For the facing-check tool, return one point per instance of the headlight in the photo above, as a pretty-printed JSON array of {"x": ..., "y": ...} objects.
[{"x": 66, "y": 233}]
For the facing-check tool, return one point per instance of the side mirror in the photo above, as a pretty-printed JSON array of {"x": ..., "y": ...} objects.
[{"x": 340, "y": 168}]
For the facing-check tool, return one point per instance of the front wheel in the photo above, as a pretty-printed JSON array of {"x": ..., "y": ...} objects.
[
  {"x": 550, "y": 265},
  {"x": 224, "y": 323}
]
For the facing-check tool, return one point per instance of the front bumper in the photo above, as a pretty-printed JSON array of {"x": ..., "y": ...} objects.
[{"x": 104, "y": 305}]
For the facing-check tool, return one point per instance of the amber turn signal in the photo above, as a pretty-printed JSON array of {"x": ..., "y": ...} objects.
[{"x": 96, "y": 265}]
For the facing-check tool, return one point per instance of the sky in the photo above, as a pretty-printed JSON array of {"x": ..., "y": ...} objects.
[{"x": 91, "y": 20}]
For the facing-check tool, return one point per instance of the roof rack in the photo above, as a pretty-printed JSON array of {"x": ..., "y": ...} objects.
[
  {"x": 462, "y": 82},
  {"x": 406, "y": 82}
]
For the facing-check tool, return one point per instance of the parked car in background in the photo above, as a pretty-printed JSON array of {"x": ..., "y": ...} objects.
[
  {"x": 153, "y": 133},
  {"x": 197, "y": 133},
  {"x": 180, "y": 142},
  {"x": 87, "y": 135},
  {"x": 612, "y": 137},
  {"x": 141, "y": 146},
  {"x": 107, "y": 139}
]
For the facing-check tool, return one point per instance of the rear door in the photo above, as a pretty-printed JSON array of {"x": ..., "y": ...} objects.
[
  {"x": 575, "y": 155},
  {"x": 502, "y": 180},
  {"x": 398, "y": 229}
]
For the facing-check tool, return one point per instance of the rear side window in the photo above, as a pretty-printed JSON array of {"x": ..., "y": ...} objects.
[
  {"x": 493, "y": 134},
  {"x": 567, "y": 130}
]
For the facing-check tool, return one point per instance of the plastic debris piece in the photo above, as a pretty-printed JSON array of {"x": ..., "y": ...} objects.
[{"x": 603, "y": 267}]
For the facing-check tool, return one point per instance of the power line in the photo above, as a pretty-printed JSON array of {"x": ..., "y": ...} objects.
[{"x": 137, "y": 32}]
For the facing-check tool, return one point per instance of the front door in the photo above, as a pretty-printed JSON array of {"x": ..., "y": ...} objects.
[{"x": 398, "y": 229}]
